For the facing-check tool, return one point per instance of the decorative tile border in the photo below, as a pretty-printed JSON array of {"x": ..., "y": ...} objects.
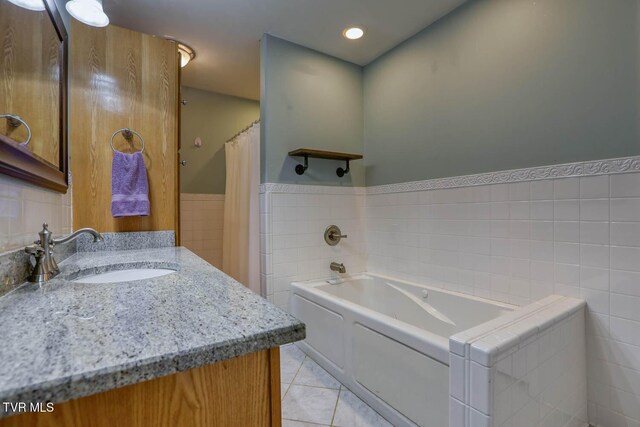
[
  {"x": 598, "y": 167},
  {"x": 568, "y": 170},
  {"x": 310, "y": 189}
]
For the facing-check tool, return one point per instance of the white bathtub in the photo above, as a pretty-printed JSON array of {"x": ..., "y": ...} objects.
[{"x": 388, "y": 340}]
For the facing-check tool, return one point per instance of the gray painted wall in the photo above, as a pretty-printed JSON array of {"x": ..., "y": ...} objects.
[
  {"x": 215, "y": 118},
  {"x": 500, "y": 85},
  {"x": 308, "y": 100}
]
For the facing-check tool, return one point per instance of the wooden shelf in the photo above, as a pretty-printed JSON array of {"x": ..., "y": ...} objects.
[{"x": 321, "y": 154}]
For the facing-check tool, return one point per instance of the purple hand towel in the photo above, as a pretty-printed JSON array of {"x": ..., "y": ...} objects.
[{"x": 129, "y": 185}]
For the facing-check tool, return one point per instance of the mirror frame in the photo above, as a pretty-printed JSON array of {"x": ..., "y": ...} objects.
[{"x": 17, "y": 161}]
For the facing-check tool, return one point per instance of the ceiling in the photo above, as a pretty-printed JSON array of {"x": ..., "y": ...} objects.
[{"x": 225, "y": 33}]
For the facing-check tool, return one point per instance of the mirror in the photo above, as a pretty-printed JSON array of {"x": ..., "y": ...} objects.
[{"x": 33, "y": 63}]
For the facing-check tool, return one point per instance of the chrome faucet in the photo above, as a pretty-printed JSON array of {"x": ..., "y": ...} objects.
[
  {"x": 46, "y": 267},
  {"x": 339, "y": 267}
]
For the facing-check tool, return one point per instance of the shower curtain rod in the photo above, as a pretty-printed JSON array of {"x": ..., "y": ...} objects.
[{"x": 244, "y": 130}]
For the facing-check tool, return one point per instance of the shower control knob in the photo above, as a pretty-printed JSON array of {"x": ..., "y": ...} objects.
[{"x": 332, "y": 235}]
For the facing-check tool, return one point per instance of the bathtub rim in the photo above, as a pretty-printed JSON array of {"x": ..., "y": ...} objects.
[
  {"x": 324, "y": 281},
  {"x": 429, "y": 343}
]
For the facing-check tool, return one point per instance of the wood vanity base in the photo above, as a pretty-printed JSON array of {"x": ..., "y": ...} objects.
[{"x": 243, "y": 392}]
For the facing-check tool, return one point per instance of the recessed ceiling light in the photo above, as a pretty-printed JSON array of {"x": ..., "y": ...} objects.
[
  {"x": 37, "y": 5},
  {"x": 88, "y": 12},
  {"x": 353, "y": 33}
]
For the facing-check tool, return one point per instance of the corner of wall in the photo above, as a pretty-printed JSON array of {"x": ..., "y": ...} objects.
[{"x": 309, "y": 100}]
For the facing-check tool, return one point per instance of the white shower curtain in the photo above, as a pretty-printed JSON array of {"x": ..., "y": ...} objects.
[{"x": 241, "y": 233}]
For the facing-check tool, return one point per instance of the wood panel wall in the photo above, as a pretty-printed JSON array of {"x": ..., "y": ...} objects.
[
  {"x": 121, "y": 78},
  {"x": 240, "y": 392},
  {"x": 29, "y": 78}
]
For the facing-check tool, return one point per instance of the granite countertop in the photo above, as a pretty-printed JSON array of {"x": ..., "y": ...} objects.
[{"x": 67, "y": 340}]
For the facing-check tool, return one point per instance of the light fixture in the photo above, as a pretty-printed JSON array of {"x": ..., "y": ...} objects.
[
  {"x": 88, "y": 12},
  {"x": 187, "y": 54},
  {"x": 353, "y": 33},
  {"x": 37, "y": 5}
]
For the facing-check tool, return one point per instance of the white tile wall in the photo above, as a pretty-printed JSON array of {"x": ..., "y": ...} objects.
[
  {"x": 515, "y": 242},
  {"x": 519, "y": 242},
  {"x": 527, "y": 368},
  {"x": 201, "y": 225},
  {"x": 23, "y": 210},
  {"x": 292, "y": 230}
]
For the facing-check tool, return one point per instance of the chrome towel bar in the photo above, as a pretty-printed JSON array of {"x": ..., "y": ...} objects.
[{"x": 128, "y": 135}]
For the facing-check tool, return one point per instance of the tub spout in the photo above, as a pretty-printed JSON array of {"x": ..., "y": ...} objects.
[{"x": 339, "y": 267}]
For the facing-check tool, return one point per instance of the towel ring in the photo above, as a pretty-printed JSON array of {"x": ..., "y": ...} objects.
[
  {"x": 127, "y": 134},
  {"x": 16, "y": 121}
]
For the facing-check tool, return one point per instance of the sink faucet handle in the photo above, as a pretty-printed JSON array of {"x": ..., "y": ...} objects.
[
  {"x": 35, "y": 250},
  {"x": 36, "y": 253},
  {"x": 46, "y": 266},
  {"x": 39, "y": 273}
]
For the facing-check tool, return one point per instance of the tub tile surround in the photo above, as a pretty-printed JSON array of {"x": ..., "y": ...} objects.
[
  {"x": 514, "y": 242},
  {"x": 201, "y": 225},
  {"x": 293, "y": 220},
  {"x": 518, "y": 242},
  {"x": 527, "y": 367},
  {"x": 514, "y": 236}
]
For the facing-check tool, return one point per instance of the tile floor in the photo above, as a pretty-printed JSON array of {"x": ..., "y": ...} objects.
[{"x": 311, "y": 397}]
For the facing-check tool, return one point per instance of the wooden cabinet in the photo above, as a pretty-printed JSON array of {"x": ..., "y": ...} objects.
[
  {"x": 242, "y": 392},
  {"x": 122, "y": 79}
]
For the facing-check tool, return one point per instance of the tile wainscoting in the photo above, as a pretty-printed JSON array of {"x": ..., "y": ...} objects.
[
  {"x": 23, "y": 209},
  {"x": 521, "y": 241},
  {"x": 201, "y": 225},
  {"x": 293, "y": 220},
  {"x": 514, "y": 236}
]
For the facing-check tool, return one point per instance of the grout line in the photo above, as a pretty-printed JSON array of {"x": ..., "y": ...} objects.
[
  {"x": 294, "y": 378},
  {"x": 285, "y": 392},
  {"x": 307, "y": 422},
  {"x": 316, "y": 386},
  {"x": 335, "y": 408}
]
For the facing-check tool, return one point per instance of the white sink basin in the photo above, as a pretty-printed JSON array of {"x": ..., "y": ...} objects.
[{"x": 125, "y": 275}]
